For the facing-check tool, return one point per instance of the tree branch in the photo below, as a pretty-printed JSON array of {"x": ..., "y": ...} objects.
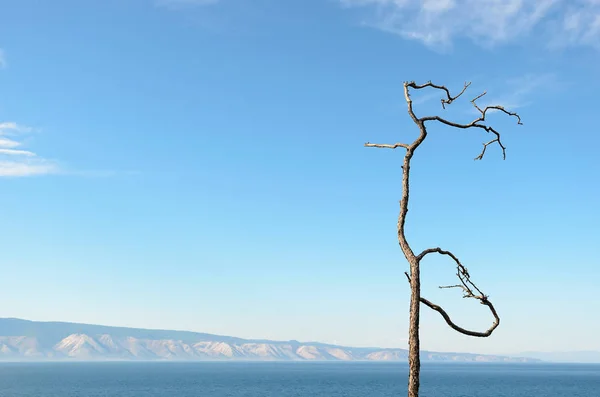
[
  {"x": 453, "y": 286},
  {"x": 386, "y": 146},
  {"x": 494, "y": 107},
  {"x": 445, "y": 101},
  {"x": 468, "y": 288},
  {"x": 477, "y": 123},
  {"x": 455, "y": 327}
]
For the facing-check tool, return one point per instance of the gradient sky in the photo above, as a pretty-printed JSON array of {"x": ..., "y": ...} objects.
[{"x": 200, "y": 165}]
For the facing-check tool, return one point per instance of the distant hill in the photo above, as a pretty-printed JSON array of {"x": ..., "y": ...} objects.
[
  {"x": 567, "y": 357},
  {"x": 39, "y": 341}
]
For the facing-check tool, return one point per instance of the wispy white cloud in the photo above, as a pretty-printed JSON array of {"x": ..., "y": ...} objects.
[
  {"x": 183, "y": 3},
  {"x": 521, "y": 91},
  {"x": 10, "y": 128},
  {"x": 16, "y": 152},
  {"x": 437, "y": 23},
  {"x": 581, "y": 25},
  {"x": 8, "y": 143},
  {"x": 14, "y": 161},
  {"x": 19, "y": 162}
]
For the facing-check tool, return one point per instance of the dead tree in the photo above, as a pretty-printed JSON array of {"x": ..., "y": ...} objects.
[{"x": 470, "y": 290}]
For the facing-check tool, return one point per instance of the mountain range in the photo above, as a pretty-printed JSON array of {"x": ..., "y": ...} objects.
[
  {"x": 41, "y": 341},
  {"x": 581, "y": 357}
]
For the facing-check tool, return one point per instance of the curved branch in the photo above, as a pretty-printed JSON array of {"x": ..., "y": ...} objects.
[
  {"x": 460, "y": 329},
  {"x": 474, "y": 124},
  {"x": 449, "y": 98},
  {"x": 468, "y": 288},
  {"x": 494, "y": 107}
]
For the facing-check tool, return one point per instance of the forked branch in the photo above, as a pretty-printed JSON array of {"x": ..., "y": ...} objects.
[{"x": 479, "y": 122}]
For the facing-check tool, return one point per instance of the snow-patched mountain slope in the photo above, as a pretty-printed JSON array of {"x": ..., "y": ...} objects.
[
  {"x": 30, "y": 340},
  {"x": 20, "y": 346},
  {"x": 81, "y": 346},
  {"x": 107, "y": 347},
  {"x": 87, "y": 347}
]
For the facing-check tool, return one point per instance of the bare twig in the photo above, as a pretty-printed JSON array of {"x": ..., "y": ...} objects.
[
  {"x": 453, "y": 286},
  {"x": 386, "y": 146},
  {"x": 485, "y": 145}
]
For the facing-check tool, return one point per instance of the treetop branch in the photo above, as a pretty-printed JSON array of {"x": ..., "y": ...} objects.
[
  {"x": 477, "y": 123},
  {"x": 445, "y": 101}
]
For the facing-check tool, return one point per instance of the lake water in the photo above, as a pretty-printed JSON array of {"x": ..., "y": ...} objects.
[{"x": 294, "y": 379}]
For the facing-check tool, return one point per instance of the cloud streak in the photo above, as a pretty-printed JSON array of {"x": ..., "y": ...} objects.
[
  {"x": 18, "y": 162},
  {"x": 520, "y": 91},
  {"x": 437, "y": 23},
  {"x": 3, "y": 63}
]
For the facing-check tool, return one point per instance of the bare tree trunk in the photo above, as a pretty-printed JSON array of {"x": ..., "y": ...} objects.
[
  {"x": 414, "y": 348},
  {"x": 470, "y": 290}
]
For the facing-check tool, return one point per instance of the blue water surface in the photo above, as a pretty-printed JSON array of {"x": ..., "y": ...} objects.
[{"x": 236, "y": 379}]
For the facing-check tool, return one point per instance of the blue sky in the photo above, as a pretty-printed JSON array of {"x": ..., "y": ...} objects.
[{"x": 200, "y": 165}]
